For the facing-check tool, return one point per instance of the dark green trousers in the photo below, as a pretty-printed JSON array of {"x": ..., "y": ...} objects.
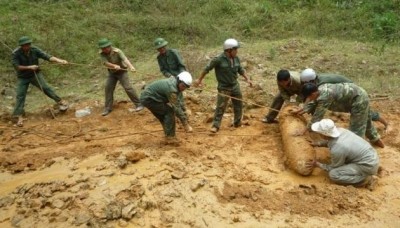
[
  {"x": 22, "y": 88},
  {"x": 163, "y": 112},
  {"x": 224, "y": 95}
]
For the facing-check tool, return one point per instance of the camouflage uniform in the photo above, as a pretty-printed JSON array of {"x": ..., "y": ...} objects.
[
  {"x": 345, "y": 97},
  {"x": 227, "y": 74},
  {"x": 285, "y": 94},
  {"x": 171, "y": 64},
  {"x": 328, "y": 78},
  {"x": 161, "y": 98},
  {"x": 116, "y": 56},
  {"x": 26, "y": 77}
]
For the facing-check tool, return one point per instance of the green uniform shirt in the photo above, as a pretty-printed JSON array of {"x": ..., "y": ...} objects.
[
  {"x": 293, "y": 89},
  {"x": 19, "y": 58},
  {"x": 164, "y": 91},
  {"x": 116, "y": 56},
  {"x": 334, "y": 97},
  {"x": 170, "y": 63},
  {"x": 225, "y": 70},
  {"x": 331, "y": 79}
]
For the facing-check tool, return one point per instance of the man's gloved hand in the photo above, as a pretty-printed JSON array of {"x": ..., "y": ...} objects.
[
  {"x": 117, "y": 67},
  {"x": 132, "y": 69}
]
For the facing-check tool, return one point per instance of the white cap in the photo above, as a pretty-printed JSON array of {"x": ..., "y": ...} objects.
[
  {"x": 308, "y": 75},
  {"x": 326, "y": 127},
  {"x": 186, "y": 78}
]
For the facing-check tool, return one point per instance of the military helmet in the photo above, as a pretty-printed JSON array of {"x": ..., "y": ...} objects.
[
  {"x": 308, "y": 75},
  {"x": 186, "y": 78},
  {"x": 24, "y": 40},
  {"x": 104, "y": 42},
  {"x": 160, "y": 42},
  {"x": 231, "y": 43}
]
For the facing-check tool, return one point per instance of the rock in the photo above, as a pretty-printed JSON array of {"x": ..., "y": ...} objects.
[
  {"x": 129, "y": 211},
  {"x": 81, "y": 218},
  {"x": 56, "y": 212},
  {"x": 122, "y": 223},
  {"x": 135, "y": 156},
  {"x": 198, "y": 185},
  {"x": 177, "y": 175},
  {"x": 101, "y": 182},
  {"x": 83, "y": 195},
  {"x": 57, "y": 203},
  {"x": 6, "y": 201},
  {"x": 49, "y": 163},
  {"x": 113, "y": 211},
  {"x": 15, "y": 220},
  {"x": 121, "y": 161}
]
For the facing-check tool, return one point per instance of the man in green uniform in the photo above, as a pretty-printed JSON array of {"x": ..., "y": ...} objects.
[
  {"x": 118, "y": 64},
  {"x": 227, "y": 66},
  {"x": 341, "y": 97},
  {"x": 25, "y": 60},
  {"x": 171, "y": 64},
  {"x": 161, "y": 98},
  {"x": 289, "y": 85}
]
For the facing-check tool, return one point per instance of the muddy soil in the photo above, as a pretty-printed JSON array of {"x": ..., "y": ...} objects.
[{"x": 116, "y": 171}]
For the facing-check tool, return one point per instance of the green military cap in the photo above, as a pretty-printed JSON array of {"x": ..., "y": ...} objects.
[
  {"x": 24, "y": 40},
  {"x": 104, "y": 42},
  {"x": 160, "y": 42}
]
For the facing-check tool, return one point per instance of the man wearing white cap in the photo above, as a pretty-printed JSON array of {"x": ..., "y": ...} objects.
[{"x": 353, "y": 160}]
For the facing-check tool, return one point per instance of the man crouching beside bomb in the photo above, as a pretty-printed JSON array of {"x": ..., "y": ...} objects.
[{"x": 353, "y": 160}]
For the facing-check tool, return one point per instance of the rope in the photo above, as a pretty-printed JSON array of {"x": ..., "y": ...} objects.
[
  {"x": 258, "y": 105},
  {"x": 41, "y": 88}
]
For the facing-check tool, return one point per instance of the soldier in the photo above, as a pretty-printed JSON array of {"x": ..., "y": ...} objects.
[
  {"x": 118, "y": 64},
  {"x": 171, "y": 64},
  {"x": 227, "y": 66},
  {"x": 353, "y": 160},
  {"x": 310, "y": 76},
  {"x": 341, "y": 97},
  {"x": 160, "y": 97},
  {"x": 25, "y": 60},
  {"x": 288, "y": 84}
]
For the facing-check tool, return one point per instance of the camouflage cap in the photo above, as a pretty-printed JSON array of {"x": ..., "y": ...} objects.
[
  {"x": 24, "y": 40},
  {"x": 160, "y": 42},
  {"x": 104, "y": 42}
]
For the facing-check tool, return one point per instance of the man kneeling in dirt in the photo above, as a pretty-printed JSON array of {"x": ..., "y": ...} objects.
[
  {"x": 161, "y": 98},
  {"x": 353, "y": 160}
]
